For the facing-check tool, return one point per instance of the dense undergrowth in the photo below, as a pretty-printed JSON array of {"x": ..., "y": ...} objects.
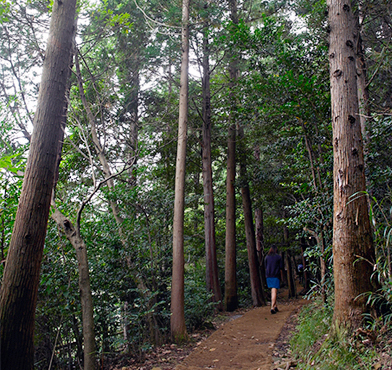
[{"x": 315, "y": 346}]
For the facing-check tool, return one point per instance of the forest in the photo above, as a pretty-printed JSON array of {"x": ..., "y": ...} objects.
[{"x": 151, "y": 153}]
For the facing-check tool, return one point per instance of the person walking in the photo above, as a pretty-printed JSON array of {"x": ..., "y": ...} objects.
[
  {"x": 273, "y": 272},
  {"x": 301, "y": 273}
]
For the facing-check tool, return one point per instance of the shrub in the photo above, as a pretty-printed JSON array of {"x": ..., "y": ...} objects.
[{"x": 199, "y": 306}]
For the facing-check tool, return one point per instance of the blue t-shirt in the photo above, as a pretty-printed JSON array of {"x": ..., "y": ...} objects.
[{"x": 273, "y": 265}]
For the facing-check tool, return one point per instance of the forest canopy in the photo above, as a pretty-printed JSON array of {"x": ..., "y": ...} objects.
[{"x": 261, "y": 151}]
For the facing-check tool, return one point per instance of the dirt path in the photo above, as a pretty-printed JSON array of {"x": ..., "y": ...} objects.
[
  {"x": 245, "y": 342},
  {"x": 251, "y": 340}
]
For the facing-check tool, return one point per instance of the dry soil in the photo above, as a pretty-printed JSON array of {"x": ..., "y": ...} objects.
[{"x": 245, "y": 342}]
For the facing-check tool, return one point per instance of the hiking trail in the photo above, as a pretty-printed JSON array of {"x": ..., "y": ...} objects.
[{"x": 247, "y": 341}]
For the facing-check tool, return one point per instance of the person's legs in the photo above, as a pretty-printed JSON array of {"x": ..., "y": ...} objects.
[{"x": 274, "y": 293}]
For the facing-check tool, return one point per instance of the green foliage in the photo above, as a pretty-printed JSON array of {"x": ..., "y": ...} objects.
[
  {"x": 381, "y": 299},
  {"x": 291, "y": 129},
  {"x": 316, "y": 346},
  {"x": 4, "y": 9},
  {"x": 130, "y": 66},
  {"x": 12, "y": 163},
  {"x": 199, "y": 306},
  {"x": 314, "y": 324},
  {"x": 9, "y": 195}
]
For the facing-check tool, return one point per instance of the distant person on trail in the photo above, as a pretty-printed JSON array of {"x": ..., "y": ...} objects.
[
  {"x": 301, "y": 273},
  {"x": 273, "y": 272}
]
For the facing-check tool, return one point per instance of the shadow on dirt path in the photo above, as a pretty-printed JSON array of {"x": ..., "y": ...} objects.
[{"x": 245, "y": 342}]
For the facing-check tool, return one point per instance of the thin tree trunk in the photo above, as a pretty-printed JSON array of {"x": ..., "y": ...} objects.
[
  {"x": 177, "y": 320},
  {"x": 99, "y": 148},
  {"x": 78, "y": 339},
  {"x": 260, "y": 245},
  {"x": 231, "y": 297},
  {"x": 290, "y": 276},
  {"x": 259, "y": 223},
  {"x": 21, "y": 275},
  {"x": 310, "y": 154},
  {"x": 289, "y": 267},
  {"x": 259, "y": 234},
  {"x": 212, "y": 276},
  {"x": 110, "y": 183},
  {"x": 86, "y": 299},
  {"x": 319, "y": 237},
  {"x": 352, "y": 238},
  {"x": 258, "y": 298},
  {"x": 323, "y": 268},
  {"x": 284, "y": 271}
]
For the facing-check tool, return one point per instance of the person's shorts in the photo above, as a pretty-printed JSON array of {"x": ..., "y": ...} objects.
[{"x": 273, "y": 283}]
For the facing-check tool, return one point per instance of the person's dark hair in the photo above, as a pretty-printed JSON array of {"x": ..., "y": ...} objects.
[{"x": 273, "y": 250}]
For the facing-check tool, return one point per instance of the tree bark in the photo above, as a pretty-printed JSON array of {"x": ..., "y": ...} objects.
[
  {"x": 259, "y": 234},
  {"x": 86, "y": 299},
  {"x": 177, "y": 320},
  {"x": 21, "y": 275},
  {"x": 362, "y": 85},
  {"x": 352, "y": 238},
  {"x": 231, "y": 297},
  {"x": 212, "y": 276},
  {"x": 260, "y": 245},
  {"x": 290, "y": 276},
  {"x": 258, "y": 298},
  {"x": 289, "y": 267}
]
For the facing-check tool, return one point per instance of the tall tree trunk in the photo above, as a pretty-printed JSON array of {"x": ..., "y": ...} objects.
[
  {"x": 177, "y": 320},
  {"x": 352, "y": 238},
  {"x": 259, "y": 234},
  {"x": 21, "y": 276},
  {"x": 289, "y": 267},
  {"x": 290, "y": 276},
  {"x": 260, "y": 245},
  {"x": 212, "y": 277},
  {"x": 259, "y": 223},
  {"x": 231, "y": 297},
  {"x": 73, "y": 235},
  {"x": 258, "y": 298}
]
